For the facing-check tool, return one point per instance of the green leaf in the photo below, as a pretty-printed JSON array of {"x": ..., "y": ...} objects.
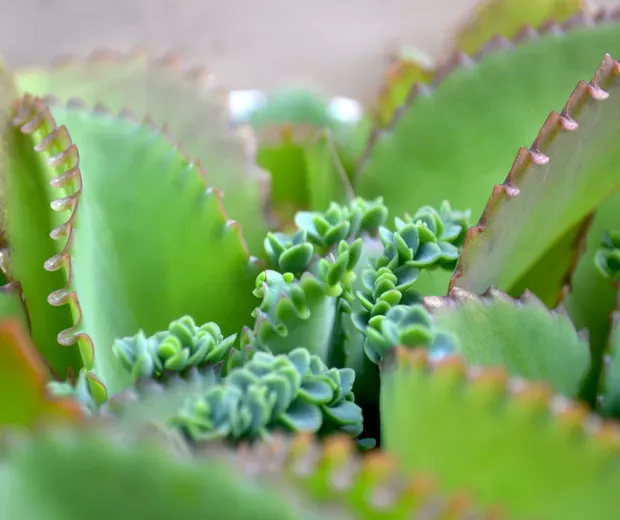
[
  {"x": 568, "y": 171},
  {"x": 409, "y": 66},
  {"x": 331, "y": 474},
  {"x": 502, "y": 442},
  {"x": 27, "y": 195},
  {"x": 611, "y": 380},
  {"x": 12, "y": 305},
  {"x": 270, "y": 393},
  {"x": 550, "y": 278},
  {"x": 284, "y": 125},
  {"x": 149, "y": 242},
  {"x": 592, "y": 298},
  {"x": 306, "y": 312},
  {"x": 327, "y": 181},
  {"x": 458, "y": 140},
  {"x": 24, "y": 401},
  {"x": 507, "y": 17},
  {"x": 186, "y": 102},
  {"x": 522, "y": 335},
  {"x": 62, "y": 477}
]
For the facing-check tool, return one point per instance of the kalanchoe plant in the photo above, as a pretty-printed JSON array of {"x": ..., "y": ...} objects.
[{"x": 284, "y": 317}]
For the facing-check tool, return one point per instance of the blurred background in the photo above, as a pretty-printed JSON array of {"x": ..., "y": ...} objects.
[{"x": 335, "y": 46}]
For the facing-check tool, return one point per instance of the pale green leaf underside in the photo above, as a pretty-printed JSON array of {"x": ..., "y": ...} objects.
[
  {"x": 521, "y": 335},
  {"x": 150, "y": 243},
  {"x": 195, "y": 115},
  {"x": 458, "y": 141},
  {"x": 569, "y": 171},
  {"x": 504, "y": 451},
  {"x": 66, "y": 479}
]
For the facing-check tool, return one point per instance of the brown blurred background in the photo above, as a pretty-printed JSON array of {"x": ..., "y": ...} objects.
[{"x": 336, "y": 46}]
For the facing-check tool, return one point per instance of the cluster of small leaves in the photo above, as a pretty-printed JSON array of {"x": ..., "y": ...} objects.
[
  {"x": 294, "y": 392},
  {"x": 315, "y": 300},
  {"x": 406, "y": 326},
  {"x": 182, "y": 347},
  {"x": 318, "y": 233},
  {"x": 429, "y": 239},
  {"x": 607, "y": 258}
]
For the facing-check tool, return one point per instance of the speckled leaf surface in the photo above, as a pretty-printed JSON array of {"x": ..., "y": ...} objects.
[
  {"x": 522, "y": 335},
  {"x": 186, "y": 101},
  {"x": 507, "y": 17},
  {"x": 508, "y": 444},
  {"x": 465, "y": 132},
  {"x": 148, "y": 240},
  {"x": 23, "y": 398},
  {"x": 567, "y": 172}
]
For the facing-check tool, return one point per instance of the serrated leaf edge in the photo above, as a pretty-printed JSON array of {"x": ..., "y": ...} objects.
[
  {"x": 565, "y": 414},
  {"x": 200, "y": 76},
  {"x": 460, "y": 60},
  {"x": 532, "y": 156},
  {"x": 32, "y": 114},
  {"x": 457, "y": 296},
  {"x": 302, "y": 456}
]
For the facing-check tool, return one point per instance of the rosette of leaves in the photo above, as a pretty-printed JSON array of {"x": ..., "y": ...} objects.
[
  {"x": 318, "y": 233},
  {"x": 141, "y": 239},
  {"x": 296, "y": 392},
  {"x": 307, "y": 311},
  {"x": 406, "y": 326}
]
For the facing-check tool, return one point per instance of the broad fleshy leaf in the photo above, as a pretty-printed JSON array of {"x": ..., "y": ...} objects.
[
  {"x": 523, "y": 336},
  {"x": 566, "y": 173},
  {"x": 367, "y": 488},
  {"x": 190, "y": 106},
  {"x": 506, "y": 443},
  {"x": 551, "y": 277},
  {"x": 63, "y": 476},
  {"x": 24, "y": 401},
  {"x": 506, "y": 18},
  {"x": 148, "y": 242},
  {"x": 463, "y": 132},
  {"x": 30, "y": 164}
]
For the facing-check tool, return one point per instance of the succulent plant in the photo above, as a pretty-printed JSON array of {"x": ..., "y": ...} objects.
[{"x": 285, "y": 312}]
